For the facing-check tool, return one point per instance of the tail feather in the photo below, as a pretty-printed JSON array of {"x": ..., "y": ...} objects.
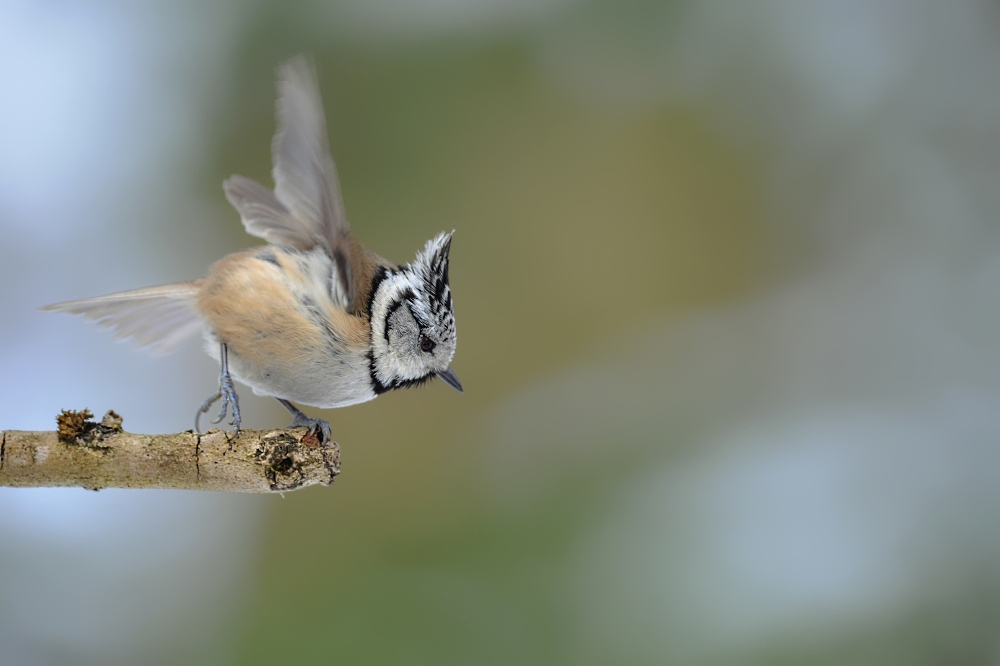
[{"x": 156, "y": 317}]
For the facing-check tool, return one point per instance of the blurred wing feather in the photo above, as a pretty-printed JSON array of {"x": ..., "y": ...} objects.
[
  {"x": 305, "y": 178},
  {"x": 306, "y": 208},
  {"x": 264, "y": 216},
  {"x": 156, "y": 317}
]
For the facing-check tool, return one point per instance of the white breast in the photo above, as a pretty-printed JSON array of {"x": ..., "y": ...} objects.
[{"x": 300, "y": 353}]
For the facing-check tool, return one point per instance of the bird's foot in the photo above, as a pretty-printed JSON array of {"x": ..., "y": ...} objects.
[
  {"x": 319, "y": 427},
  {"x": 229, "y": 399}
]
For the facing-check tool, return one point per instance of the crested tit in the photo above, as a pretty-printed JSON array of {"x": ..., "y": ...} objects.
[{"x": 314, "y": 316}]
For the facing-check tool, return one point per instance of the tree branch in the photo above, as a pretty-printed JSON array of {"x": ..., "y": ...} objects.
[{"x": 102, "y": 455}]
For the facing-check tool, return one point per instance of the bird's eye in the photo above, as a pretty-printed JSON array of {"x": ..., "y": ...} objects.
[{"x": 426, "y": 344}]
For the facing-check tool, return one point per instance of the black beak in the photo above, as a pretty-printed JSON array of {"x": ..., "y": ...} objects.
[{"x": 450, "y": 379}]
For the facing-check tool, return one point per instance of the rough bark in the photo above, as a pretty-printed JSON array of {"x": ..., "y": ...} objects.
[{"x": 102, "y": 455}]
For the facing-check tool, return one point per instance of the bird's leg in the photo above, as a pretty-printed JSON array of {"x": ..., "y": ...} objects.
[
  {"x": 300, "y": 419},
  {"x": 226, "y": 392}
]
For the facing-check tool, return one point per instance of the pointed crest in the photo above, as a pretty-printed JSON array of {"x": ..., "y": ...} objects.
[{"x": 431, "y": 267}]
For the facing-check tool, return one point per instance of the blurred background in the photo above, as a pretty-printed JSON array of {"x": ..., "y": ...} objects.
[{"x": 725, "y": 279}]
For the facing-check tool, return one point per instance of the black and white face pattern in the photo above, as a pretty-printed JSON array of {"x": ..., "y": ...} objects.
[{"x": 413, "y": 323}]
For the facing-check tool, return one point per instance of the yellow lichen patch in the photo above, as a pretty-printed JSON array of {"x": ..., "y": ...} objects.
[{"x": 72, "y": 423}]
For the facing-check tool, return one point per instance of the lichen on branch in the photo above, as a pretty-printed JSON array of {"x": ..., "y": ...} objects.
[{"x": 101, "y": 454}]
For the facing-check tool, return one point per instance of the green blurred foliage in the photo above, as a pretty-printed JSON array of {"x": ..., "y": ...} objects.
[{"x": 576, "y": 223}]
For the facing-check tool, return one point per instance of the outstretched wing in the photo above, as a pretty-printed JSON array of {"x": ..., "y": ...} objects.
[
  {"x": 156, "y": 317},
  {"x": 306, "y": 208},
  {"x": 305, "y": 178}
]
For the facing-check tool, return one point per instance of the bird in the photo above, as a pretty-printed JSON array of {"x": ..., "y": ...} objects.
[{"x": 312, "y": 317}]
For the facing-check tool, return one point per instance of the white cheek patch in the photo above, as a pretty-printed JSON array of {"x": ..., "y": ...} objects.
[
  {"x": 389, "y": 308},
  {"x": 407, "y": 304},
  {"x": 402, "y": 359}
]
